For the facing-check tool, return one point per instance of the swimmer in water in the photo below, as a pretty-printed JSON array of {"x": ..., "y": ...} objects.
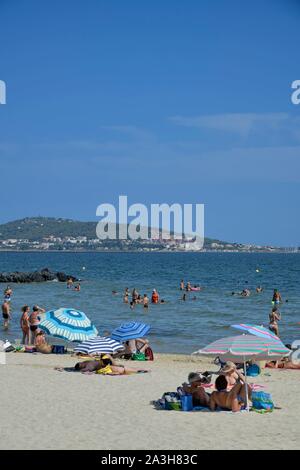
[
  {"x": 259, "y": 289},
  {"x": 188, "y": 287},
  {"x": 146, "y": 301},
  {"x": 182, "y": 284},
  {"x": 183, "y": 297},
  {"x": 78, "y": 287},
  {"x": 276, "y": 297}
]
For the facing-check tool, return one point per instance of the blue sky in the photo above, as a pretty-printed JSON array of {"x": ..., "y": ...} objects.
[{"x": 164, "y": 101}]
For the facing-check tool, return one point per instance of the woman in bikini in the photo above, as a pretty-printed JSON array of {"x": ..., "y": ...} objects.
[
  {"x": 24, "y": 323},
  {"x": 274, "y": 318}
]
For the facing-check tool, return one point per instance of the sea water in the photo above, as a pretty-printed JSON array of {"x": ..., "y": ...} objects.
[{"x": 176, "y": 326}]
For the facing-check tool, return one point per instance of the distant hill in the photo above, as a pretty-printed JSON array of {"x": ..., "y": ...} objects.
[{"x": 38, "y": 228}]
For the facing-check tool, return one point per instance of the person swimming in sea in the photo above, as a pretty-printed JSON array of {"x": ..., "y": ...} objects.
[
  {"x": 146, "y": 301},
  {"x": 182, "y": 284},
  {"x": 276, "y": 297}
]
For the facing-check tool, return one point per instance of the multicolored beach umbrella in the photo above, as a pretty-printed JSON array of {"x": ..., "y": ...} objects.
[
  {"x": 99, "y": 345},
  {"x": 68, "y": 324},
  {"x": 256, "y": 330},
  {"x": 245, "y": 348},
  {"x": 131, "y": 330}
]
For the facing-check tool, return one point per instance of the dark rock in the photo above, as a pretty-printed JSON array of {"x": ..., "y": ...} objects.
[{"x": 36, "y": 276}]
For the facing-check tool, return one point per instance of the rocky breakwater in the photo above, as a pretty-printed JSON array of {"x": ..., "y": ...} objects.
[{"x": 36, "y": 276}]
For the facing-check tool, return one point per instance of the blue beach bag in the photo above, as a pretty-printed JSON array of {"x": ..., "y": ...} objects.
[
  {"x": 262, "y": 401},
  {"x": 253, "y": 370}
]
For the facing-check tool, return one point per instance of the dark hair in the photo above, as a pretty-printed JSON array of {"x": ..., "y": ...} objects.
[
  {"x": 77, "y": 366},
  {"x": 35, "y": 308},
  {"x": 221, "y": 383},
  {"x": 288, "y": 346},
  {"x": 24, "y": 308}
]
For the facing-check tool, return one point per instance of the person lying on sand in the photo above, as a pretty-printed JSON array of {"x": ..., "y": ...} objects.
[
  {"x": 105, "y": 365},
  {"x": 233, "y": 400},
  {"x": 195, "y": 388},
  {"x": 285, "y": 363}
]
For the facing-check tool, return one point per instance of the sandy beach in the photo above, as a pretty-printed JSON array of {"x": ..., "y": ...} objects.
[{"x": 46, "y": 409}]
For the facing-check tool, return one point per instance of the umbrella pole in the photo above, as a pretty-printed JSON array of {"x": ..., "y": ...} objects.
[{"x": 246, "y": 387}]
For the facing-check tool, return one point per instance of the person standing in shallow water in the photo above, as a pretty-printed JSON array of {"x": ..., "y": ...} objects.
[
  {"x": 6, "y": 314},
  {"x": 25, "y": 325},
  {"x": 182, "y": 284}
]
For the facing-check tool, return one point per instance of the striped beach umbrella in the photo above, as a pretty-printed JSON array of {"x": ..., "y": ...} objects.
[
  {"x": 131, "y": 330},
  {"x": 244, "y": 348},
  {"x": 68, "y": 324},
  {"x": 99, "y": 345},
  {"x": 256, "y": 330}
]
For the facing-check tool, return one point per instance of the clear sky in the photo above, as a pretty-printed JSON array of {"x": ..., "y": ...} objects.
[{"x": 161, "y": 100}]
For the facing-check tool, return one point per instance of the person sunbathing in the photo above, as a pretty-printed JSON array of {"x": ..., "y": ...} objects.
[
  {"x": 233, "y": 400},
  {"x": 285, "y": 363},
  {"x": 232, "y": 374},
  {"x": 106, "y": 365},
  {"x": 195, "y": 388}
]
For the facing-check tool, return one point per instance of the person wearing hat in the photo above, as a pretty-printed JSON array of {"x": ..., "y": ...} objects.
[
  {"x": 232, "y": 374},
  {"x": 195, "y": 388}
]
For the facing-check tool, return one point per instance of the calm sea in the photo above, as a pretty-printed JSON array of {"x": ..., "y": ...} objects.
[{"x": 177, "y": 326}]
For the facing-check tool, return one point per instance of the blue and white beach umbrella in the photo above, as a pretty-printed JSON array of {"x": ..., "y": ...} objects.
[
  {"x": 99, "y": 345},
  {"x": 68, "y": 324},
  {"x": 131, "y": 330}
]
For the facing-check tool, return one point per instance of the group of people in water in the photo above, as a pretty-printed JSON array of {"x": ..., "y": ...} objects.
[{"x": 135, "y": 298}]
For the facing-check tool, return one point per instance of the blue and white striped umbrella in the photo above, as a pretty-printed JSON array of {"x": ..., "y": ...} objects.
[
  {"x": 131, "y": 330},
  {"x": 99, "y": 345},
  {"x": 68, "y": 324}
]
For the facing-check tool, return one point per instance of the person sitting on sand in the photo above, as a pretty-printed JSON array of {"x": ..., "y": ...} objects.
[
  {"x": 233, "y": 400},
  {"x": 41, "y": 344},
  {"x": 24, "y": 324},
  {"x": 195, "y": 388},
  {"x": 232, "y": 374},
  {"x": 274, "y": 318},
  {"x": 133, "y": 346}
]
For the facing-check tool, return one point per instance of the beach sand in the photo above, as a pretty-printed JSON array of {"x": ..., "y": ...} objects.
[{"x": 42, "y": 408}]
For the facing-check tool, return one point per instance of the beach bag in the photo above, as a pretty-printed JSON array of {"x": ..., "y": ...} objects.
[
  {"x": 149, "y": 354},
  {"x": 262, "y": 401},
  {"x": 186, "y": 402},
  {"x": 253, "y": 370},
  {"x": 58, "y": 349},
  {"x": 138, "y": 356},
  {"x": 7, "y": 347}
]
